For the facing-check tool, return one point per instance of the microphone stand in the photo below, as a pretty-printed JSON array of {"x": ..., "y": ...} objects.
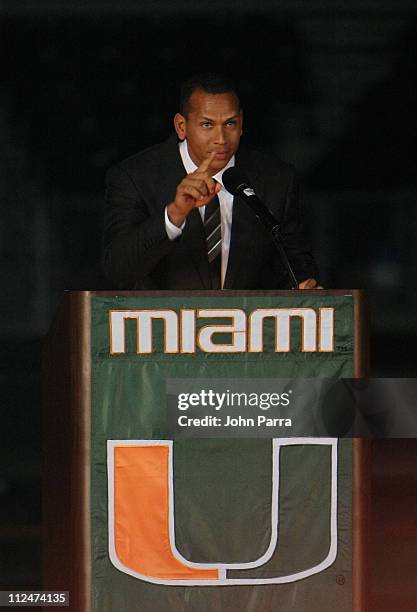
[{"x": 272, "y": 226}]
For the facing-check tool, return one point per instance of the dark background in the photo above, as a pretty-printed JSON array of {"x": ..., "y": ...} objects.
[{"x": 328, "y": 85}]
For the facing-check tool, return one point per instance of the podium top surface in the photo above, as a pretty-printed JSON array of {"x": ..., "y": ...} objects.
[{"x": 356, "y": 293}]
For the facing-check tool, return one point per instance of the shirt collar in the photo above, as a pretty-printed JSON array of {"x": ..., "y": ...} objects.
[{"x": 190, "y": 166}]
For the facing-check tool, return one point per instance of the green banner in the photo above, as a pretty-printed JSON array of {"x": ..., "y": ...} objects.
[{"x": 199, "y": 525}]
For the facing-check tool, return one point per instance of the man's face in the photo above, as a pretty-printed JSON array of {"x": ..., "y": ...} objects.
[{"x": 213, "y": 124}]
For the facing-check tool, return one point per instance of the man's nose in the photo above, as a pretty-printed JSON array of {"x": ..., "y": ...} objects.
[{"x": 220, "y": 136}]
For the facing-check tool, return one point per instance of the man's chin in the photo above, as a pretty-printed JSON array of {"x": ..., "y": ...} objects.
[{"x": 219, "y": 164}]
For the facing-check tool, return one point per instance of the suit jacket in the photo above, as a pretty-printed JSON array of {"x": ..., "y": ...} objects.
[{"x": 139, "y": 255}]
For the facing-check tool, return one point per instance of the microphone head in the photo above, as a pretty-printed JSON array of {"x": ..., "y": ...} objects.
[{"x": 234, "y": 180}]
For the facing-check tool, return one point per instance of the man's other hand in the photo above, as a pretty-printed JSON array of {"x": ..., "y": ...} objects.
[
  {"x": 194, "y": 191},
  {"x": 309, "y": 283}
]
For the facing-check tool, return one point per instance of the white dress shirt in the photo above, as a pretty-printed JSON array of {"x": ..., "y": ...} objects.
[{"x": 226, "y": 207}]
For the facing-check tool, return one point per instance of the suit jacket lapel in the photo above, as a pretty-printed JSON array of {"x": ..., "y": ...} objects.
[
  {"x": 242, "y": 221},
  {"x": 193, "y": 238}
]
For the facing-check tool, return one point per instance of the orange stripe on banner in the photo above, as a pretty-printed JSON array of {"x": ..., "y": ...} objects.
[{"x": 141, "y": 515}]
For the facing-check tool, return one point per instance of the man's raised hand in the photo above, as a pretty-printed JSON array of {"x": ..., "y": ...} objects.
[{"x": 194, "y": 191}]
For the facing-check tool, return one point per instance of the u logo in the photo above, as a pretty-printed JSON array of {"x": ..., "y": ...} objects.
[{"x": 141, "y": 518}]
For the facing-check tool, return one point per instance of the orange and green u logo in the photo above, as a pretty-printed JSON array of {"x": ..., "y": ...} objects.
[{"x": 141, "y": 517}]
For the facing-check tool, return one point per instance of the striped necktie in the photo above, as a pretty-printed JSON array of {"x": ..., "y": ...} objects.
[{"x": 213, "y": 232}]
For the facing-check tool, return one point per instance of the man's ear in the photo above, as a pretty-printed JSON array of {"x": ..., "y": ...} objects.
[
  {"x": 241, "y": 122},
  {"x": 180, "y": 126}
]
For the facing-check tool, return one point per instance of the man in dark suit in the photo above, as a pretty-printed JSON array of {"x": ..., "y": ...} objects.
[{"x": 171, "y": 224}]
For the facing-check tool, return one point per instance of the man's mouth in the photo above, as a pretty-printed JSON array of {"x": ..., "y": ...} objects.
[{"x": 220, "y": 154}]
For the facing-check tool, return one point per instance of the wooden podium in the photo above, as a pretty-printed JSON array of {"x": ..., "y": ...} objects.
[{"x": 106, "y": 361}]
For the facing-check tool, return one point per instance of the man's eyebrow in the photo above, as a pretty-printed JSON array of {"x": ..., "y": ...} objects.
[{"x": 228, "y": 119}]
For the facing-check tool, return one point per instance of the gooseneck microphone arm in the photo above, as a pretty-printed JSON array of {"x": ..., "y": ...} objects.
[{"x": 236, "y": 184}]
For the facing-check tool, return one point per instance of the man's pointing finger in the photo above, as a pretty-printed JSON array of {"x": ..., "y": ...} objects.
[{"x": 206, "y": 163}]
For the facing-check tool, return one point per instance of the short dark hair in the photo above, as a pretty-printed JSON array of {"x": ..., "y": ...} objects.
[{"x": 210, "y": 82}]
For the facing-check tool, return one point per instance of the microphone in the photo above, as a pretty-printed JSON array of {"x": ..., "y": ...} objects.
[
  {"x": 236, "y": 183},
  {"x": 234, "y": 180}
]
